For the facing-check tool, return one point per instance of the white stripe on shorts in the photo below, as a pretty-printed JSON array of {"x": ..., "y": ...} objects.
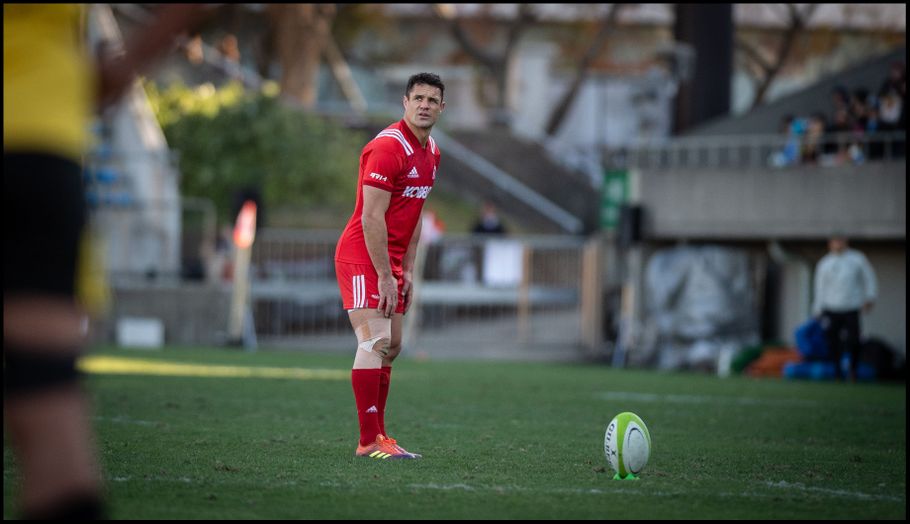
[
  {"x": 355, "y": 289},
  {"x": 359, "y": 286}
]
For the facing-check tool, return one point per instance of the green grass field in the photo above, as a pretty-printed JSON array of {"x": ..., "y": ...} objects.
[{"x": 499, "y": 441}]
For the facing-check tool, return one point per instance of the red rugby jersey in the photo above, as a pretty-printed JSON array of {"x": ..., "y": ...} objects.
[{"x": 394, "y": 161}]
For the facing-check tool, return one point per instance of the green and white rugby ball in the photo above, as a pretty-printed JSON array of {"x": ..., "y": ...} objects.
[{"x": 627, "y": 444}]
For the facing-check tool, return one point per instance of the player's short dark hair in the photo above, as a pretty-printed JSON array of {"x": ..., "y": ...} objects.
[{"x": 429, "y": 79}]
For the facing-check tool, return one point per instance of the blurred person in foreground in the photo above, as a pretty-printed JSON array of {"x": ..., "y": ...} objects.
[
  {"x": 374, "y": 258},
  {"x": 50, "y": 88},
  {"x": 845, "y": 285}
]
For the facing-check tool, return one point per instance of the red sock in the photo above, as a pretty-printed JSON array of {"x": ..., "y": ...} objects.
[
  {"x": 366, "y": 396},
  {"x": 383, "y": 395}
]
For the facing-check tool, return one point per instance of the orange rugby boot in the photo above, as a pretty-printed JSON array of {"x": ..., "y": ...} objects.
[
  {"x": 382, "y": 449},
  {"x": 395, "y": 443}
]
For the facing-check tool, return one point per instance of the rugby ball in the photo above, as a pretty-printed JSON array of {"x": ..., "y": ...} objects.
[{"x": 627, "y": 444}]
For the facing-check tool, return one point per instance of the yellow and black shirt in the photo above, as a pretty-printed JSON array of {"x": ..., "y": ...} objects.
[{"x": 47, "y": 79}]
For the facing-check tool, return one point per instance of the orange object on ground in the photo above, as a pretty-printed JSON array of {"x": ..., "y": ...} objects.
[{"x": 772, "y": 361}]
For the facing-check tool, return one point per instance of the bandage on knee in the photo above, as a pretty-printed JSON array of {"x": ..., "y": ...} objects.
[
  {"x": 377, "y": 345},
  {"x": 373, "y": 339}
]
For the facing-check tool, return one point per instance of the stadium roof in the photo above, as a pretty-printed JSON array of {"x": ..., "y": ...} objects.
[{"x": 862, "y": 17}]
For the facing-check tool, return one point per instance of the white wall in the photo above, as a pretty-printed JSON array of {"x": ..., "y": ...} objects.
[
  {"x": 146, "y": 236},
  {"x": 888, "y": 319}
]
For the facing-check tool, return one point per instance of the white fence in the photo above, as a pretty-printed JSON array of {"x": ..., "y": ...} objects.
[{"x": 508, "y": 296}]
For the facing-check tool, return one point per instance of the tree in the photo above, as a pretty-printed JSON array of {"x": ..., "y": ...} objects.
[
  {"x": 232, "y": 138},
  {"x": 769, "y": 68},
  {"x": 560, "y": 110},
  {"x": 301, "y": 33},
  {"x": 496, "y": 63}
]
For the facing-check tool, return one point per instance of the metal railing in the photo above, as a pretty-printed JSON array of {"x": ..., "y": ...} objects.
[
  {"x": 476, "y": 293},
  {"x": 761, "y": 151},
  {"x": 508, "y": 183}
]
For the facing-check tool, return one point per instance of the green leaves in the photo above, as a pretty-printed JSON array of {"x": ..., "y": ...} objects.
[{"x": 229, "y": 138}]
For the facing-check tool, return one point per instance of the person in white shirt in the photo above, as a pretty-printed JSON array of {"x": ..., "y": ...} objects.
[{"x": 844, "y": 285}]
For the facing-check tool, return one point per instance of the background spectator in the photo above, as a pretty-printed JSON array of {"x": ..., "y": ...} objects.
[{"x": 489, "y": 222}]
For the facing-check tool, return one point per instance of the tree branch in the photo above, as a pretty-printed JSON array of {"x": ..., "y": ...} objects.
[
  {"x": 752, "y": 53},
  {"x": 581, "y": 72},
  {"x": 497, "y": 64},
  {"x": 519, "y": 23},
  {"x": 488, "y": 60},
  {"x": 797, "y": 24}
]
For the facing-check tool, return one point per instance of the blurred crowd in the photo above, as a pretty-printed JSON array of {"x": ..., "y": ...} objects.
[{"x": 859, "y": 127}]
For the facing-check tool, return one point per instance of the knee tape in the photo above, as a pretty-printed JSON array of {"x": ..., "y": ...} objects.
[
  {"x": 26, "y": 372},
  {"x": 374, "y": 336}
]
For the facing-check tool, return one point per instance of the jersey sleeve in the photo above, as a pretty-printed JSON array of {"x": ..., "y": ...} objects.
[{"x": 381, "y": 167}]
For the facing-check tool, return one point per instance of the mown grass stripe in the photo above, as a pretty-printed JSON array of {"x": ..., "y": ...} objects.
[{"x": 103, "y": 365}]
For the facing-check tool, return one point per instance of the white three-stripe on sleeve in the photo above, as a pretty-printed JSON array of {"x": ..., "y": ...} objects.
[{"x": 397, "y": 135}]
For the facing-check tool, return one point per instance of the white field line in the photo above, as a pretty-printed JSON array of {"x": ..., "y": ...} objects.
[
  {"x": 184, "y": 480},
  {"x": 126, "y": 420},
  {"x": 839, "y": 493},
  {"x": 793, "y": 486},
  {"x": 702, "y": 399},
  {"x": 629, "y": 491}
]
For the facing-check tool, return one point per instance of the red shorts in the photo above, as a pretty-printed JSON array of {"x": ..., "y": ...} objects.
[{"x": 359, "y": 285}]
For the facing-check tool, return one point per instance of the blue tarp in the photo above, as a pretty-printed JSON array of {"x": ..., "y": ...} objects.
[
  {"x": 811, "y": 344},
  {"x": 810, "y": 341}
]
